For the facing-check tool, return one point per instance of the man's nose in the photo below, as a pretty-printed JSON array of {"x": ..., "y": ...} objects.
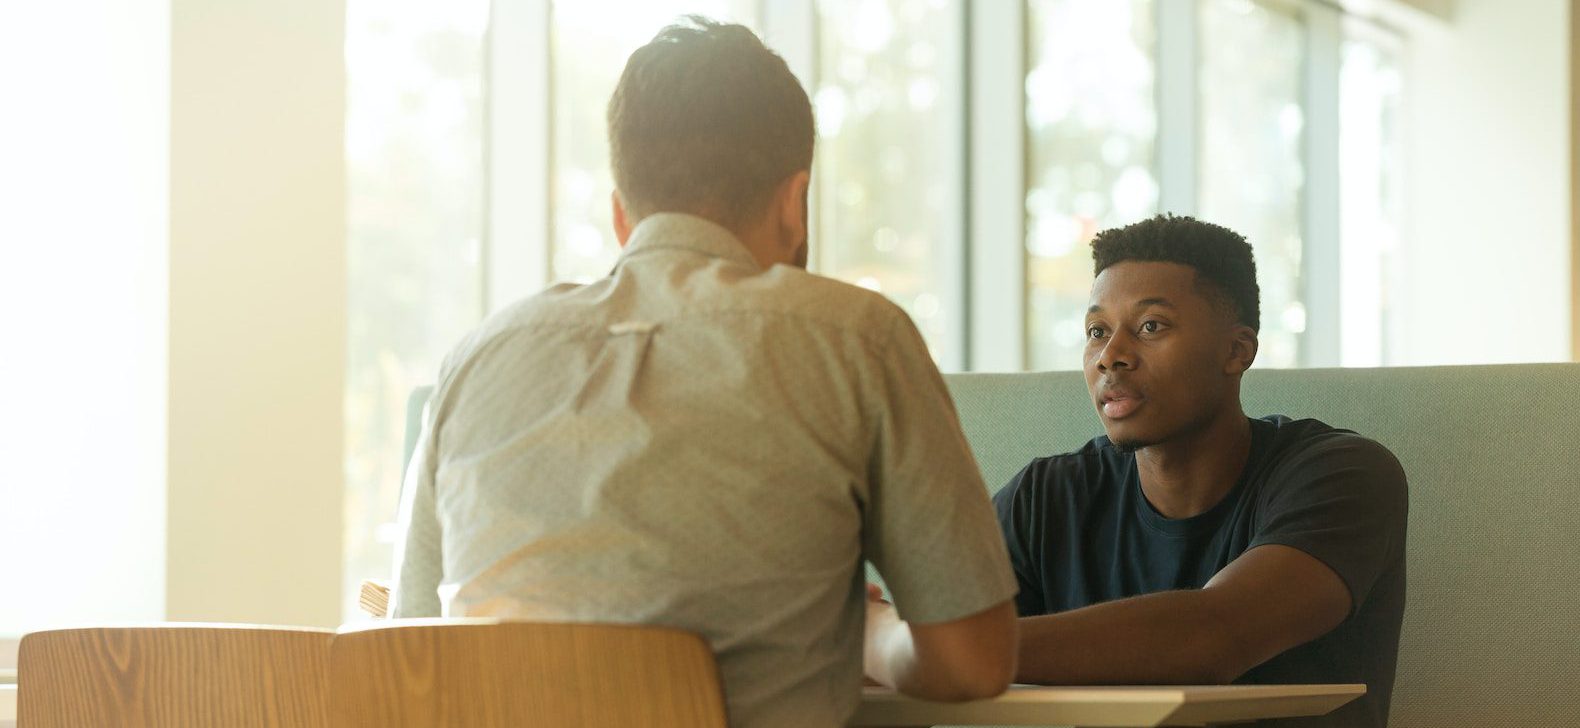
[{"x": 1117, "y": 353}]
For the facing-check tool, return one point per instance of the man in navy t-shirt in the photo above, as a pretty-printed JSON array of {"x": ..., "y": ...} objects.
[{"x": 1193, "y": 544}]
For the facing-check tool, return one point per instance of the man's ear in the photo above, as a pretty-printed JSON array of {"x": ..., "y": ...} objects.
[
  {"x": 622, "y": 226},
  {"x": 790, "y": 207},
  {"x": 1242, "y": 350}
]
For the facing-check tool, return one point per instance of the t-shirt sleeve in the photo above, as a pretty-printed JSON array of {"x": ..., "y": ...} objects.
[
  {"x": 928, "y": 524},
  {"x": 1016, "y": 513},
  {"x": 1342, "y": 500}
]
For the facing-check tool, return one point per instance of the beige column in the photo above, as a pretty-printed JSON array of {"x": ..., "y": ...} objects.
[{"x": 257, "y": 310}]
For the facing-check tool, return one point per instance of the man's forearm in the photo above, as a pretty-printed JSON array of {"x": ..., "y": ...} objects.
[{"x": 1166, "y": 638}]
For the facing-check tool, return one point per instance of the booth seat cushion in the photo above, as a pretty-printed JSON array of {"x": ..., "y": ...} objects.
[{"x": 1492, "y": 627}]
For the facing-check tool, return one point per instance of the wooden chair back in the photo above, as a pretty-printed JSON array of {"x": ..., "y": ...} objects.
[
  {"x": 486, "y": 673},
  {"x": 174, "y": 676}
]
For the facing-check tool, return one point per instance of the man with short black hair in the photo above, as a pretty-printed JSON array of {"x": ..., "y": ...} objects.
[
  {"x": 1192, "y": 544},
  {"x": 712, "y": 438}
]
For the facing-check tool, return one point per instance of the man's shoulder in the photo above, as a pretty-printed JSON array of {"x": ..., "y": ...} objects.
[
  {"x": 543, "y": 305},
  {"x": 1310, "y": 440},
  {"x": 828, "y": 301},
  {"x": 532, "y": 314},
  {"x": 783, "y": 292},
  {"x": 1075, "y": 476},
  {"x": 1303, "y": 450}
]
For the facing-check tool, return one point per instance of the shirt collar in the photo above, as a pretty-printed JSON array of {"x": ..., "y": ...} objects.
[{"x": 680, "y": 231}]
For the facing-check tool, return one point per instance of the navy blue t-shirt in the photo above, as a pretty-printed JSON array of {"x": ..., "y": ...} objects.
[{"x": 1080, "y": 532}]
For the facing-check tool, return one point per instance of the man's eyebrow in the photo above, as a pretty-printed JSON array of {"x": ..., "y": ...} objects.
[{"x": 1143, "y": 303}]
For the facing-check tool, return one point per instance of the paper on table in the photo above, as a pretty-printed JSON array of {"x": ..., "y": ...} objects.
[{"x": 374, "y": 598}]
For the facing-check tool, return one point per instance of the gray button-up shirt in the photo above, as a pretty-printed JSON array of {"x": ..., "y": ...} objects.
[{"x": 697, "y": 442}]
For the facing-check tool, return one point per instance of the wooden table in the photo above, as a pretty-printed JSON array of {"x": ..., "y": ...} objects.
[{"x": 1129, "y": 706}]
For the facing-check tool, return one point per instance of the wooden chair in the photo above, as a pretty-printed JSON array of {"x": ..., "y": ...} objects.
[
  {"x": 479, "y": 673},
  {"x": 174, "y": 676}
]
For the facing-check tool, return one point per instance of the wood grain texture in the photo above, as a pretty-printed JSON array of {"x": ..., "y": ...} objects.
[
  {"x": 174, "y": 676},
  {"x": 477, "y": 673}
]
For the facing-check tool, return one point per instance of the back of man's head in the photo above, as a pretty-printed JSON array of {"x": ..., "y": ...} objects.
[
  {"x": 709, "y": 121},
  {"x": 1224, "y": 263}
]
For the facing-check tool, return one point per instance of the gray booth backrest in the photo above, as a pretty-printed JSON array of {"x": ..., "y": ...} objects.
[{"x": 1492, "y": 629}]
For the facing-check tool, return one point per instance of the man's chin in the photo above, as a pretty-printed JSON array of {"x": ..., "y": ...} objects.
[
  {"x": 1129, "y": 446},
  {"x": 1128, "y": 442}
]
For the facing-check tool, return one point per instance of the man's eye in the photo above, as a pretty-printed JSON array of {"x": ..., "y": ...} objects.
[
  {"x": 1151, "y": 327},
  {"x": 1095, "y": 332}
]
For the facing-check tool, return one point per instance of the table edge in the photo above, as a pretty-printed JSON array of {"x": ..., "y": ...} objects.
[{"x": 1184, "y": 694}]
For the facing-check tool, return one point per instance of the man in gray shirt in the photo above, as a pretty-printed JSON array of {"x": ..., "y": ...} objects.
[{"x": 712, "y": 438}]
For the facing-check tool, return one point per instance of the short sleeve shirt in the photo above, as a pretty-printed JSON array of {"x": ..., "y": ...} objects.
[
  {"x": 1080, "y": 532},
  {"x": 698, "y": 442}
]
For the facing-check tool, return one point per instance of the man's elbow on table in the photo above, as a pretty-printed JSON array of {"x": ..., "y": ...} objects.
[{"x": 972, "y": 658}]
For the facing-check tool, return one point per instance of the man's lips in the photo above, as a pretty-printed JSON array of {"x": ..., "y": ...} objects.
[{"x": 1117, "y": 404}]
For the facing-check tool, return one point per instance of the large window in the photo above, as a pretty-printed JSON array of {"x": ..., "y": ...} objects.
[
  {"x": 888, "y": 165},
  {"x": 590, "y": 42},
  {"x": 885, "y": 84},
  {"x": 1277, "y": 119},
  {"x": 1371, "y": 195},
  {"x": 1251, "y": 168},
  {"x": 480, "y": 171},
  {"x": 414, "y": 145},
  {"x": 1091, "y": 124}
]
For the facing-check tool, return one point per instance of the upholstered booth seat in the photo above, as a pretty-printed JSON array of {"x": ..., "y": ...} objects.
[{"x": 1491, "y": 631}]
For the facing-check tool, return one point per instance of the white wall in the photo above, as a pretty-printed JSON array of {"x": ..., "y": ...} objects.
[
  {"x": 83, "y": 230},
  {"x": 1487, "y": 229},
  {"x": 172, "y": 307},
  {"x": 257, "y": 310}
]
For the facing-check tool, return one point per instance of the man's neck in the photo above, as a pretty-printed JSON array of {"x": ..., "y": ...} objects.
[
  {"x": 763, "y": 243},
  {"x": 1188, "y": 476}
]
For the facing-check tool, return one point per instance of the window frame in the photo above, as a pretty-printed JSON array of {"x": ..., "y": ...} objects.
[{"x": 517, "y": 133}]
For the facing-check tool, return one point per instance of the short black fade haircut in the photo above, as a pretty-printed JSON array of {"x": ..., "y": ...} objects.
[
  {"x": 1221, "y": 257},
  {"x": 706, "y": 120}
]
